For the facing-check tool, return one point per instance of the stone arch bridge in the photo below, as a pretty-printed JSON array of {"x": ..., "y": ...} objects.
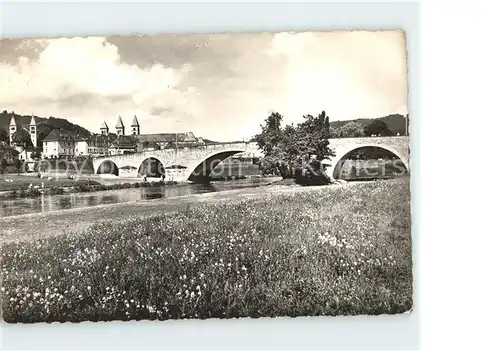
[{"x": 197, "y": 163}]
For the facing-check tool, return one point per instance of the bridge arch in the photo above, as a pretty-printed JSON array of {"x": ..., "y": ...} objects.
[
  {"x": 200, "y": 171},
  {"x": 343, "y": 155},
  {"x": 151, "y": 167},
  {"x": 107, "y": 166}
]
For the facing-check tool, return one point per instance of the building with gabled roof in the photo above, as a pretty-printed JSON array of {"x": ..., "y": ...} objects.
[
  {"x": 123, "y": 144},
  {"x": 59, "y": 143}
]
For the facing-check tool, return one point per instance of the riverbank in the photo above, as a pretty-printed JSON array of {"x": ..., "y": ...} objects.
[
  {"x": 21, "y": 228},
  {"x": 270, "y": 251},
  {"x": 15, "y": 182},
  {"x": 28, "y": 186}
]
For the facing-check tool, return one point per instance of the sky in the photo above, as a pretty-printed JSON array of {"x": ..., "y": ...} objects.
[{"x": 219, "y": 86}]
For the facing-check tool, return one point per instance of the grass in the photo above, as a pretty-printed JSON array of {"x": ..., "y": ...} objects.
[{"x": 328, "y": 251}]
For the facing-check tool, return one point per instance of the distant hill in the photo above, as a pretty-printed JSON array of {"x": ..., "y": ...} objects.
[
  {"x": 44, "y": 125},
  {"x": 396, "y": 123}
]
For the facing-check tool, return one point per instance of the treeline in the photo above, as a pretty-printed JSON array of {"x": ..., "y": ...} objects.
[
  {"x": 390, "y": 125},
  {"x": 44, "y": 126}
]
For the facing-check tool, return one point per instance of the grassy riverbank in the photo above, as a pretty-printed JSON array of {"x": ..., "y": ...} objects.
[
  {"x": 82, "y": 188},
  {"x": 19, "y": 187},
  {"x": 325, "y": 251},
  {"x": 19, "y": 182}
]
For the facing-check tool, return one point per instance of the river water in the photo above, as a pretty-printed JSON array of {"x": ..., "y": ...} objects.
[{"x": 47, "y": 203}]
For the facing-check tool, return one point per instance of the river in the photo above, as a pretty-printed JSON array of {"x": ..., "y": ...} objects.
[{"x": 48, "y": 203}]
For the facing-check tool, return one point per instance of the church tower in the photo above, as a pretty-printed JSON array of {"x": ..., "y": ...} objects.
[
  {"x": 33, "y": 131},
  {"x": 135, "y": 126},
  {"x": 12, "y": 128},
  {"x": 120, "y": 127},
  {"x": 104, "y": 128}
]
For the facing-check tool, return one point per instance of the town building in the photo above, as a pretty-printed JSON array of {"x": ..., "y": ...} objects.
[
  {"x": 137, "y": 142},
  {"x": 60, "y": 143},
  {"x": 148, "y": 142},
  {"x": 123, "y": 144}
]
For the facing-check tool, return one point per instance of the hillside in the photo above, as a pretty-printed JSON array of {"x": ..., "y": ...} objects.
[
  {"x": 396, "y": 123},
  {"x": 44, "y": 125}
]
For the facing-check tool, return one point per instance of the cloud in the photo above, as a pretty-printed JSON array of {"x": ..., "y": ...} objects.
[
  {"x": 84, "y": 78},
  {"x": 219, "y": 86}
]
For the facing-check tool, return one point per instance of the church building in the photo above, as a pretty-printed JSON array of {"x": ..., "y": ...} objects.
[{"x": 25, "y": 149}]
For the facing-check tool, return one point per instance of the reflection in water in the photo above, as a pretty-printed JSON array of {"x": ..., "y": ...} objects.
[{"x": 47, "y": 203}]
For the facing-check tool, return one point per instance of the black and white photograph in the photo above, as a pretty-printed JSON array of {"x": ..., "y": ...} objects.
[{"x": 198, "y": 176}]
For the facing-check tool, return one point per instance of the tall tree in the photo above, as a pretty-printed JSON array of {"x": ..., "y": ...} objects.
[
  {"x": 292, "y": 147},
  {"x": 271, "y": 140},
  {"x": 378, "y": 127},
  {"x": 22, "y": 138},
  {"x": 4, "y": 135}
]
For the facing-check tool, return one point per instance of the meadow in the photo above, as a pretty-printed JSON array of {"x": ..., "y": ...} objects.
[{"x": 329, "y": 251}]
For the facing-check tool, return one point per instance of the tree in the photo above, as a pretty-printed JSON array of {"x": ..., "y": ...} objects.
[
  {"x": 18, "y": 164},
  {"x": 268, "y": 140},
  {"x": 4, "y": 135},
  {"x": 3, "y": 165},
  {"x": 351, "y": 129},
  {"x": 22, "y": 138},
  {"x": 43, "y": 129},
  {"x": 313, "y": 135},
  {"x": 292, "y": 148},
  {"x": 36, "y": 155},
  {"x": 377, "y": 127}
]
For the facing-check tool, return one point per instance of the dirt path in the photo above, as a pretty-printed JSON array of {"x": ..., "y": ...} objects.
[{"x": 39, "y": 225}]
